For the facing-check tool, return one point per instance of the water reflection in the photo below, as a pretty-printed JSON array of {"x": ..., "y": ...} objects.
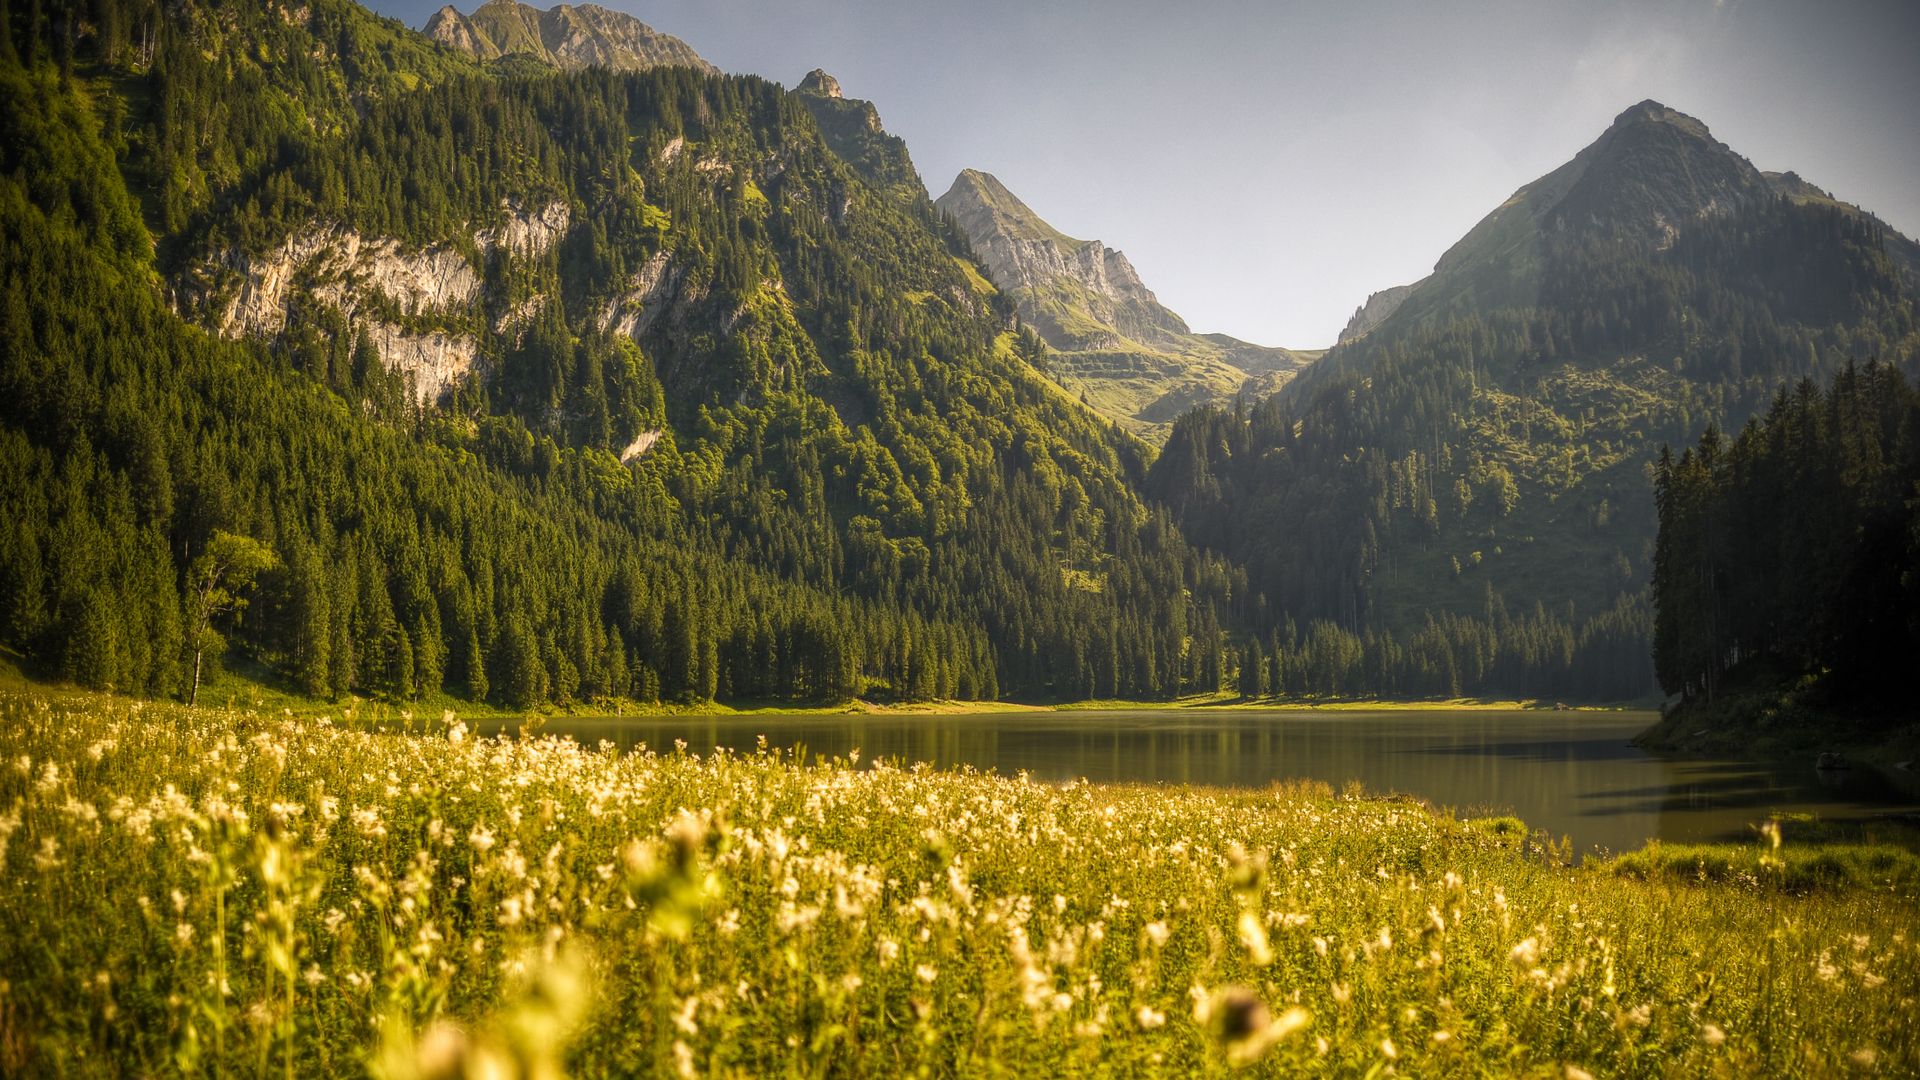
[{"x": 1575, "y": 774}]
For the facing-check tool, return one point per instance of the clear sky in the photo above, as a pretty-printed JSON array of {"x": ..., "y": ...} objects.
[{"x": 1266, "y": 165}]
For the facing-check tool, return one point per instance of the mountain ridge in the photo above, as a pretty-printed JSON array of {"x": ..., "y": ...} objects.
[
  {"x": 1112, "y": 340},
  {"x": 566, "y": 35}
]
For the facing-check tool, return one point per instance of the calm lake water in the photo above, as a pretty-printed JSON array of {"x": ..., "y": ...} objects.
[{"x": 1572, "y": 773}]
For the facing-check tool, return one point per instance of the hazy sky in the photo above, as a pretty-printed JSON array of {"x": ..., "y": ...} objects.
[{"x": 1267, "y": 165}]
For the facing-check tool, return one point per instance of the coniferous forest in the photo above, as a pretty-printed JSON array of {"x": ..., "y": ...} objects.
[{"x": 1829, "y": 590}]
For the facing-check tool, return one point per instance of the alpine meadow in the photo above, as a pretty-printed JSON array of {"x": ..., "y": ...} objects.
[{"x": 529, "y": 551}]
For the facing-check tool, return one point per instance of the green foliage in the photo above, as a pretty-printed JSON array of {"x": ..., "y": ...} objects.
[
  {"x": 1864, "y": 867},
  {"x": 1830, "y": 590}
]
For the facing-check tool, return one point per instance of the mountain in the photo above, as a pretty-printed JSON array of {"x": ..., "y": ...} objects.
[
  {"x": 539, "y": 385},
  {"x": 1112, "y": 341},
  {"x": 1485, "y": 448},
  {"x": 566, "y": 36},
  {"x": 853, "y": 130}
]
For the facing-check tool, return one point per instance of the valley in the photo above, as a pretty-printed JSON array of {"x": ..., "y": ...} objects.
[{"x": 527, "y": 552}]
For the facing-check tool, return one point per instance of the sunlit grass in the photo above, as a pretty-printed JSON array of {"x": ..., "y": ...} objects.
[{"x": 185, "y": 892}]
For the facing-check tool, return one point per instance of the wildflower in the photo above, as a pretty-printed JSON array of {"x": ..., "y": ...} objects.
[
  {"x": 1712, "y": 1035},
  {"x": 1149, "y": 1017},
  {"x": 926, "y": 973},
  {"x": 1158, "y": 933},
  {"x": 367, "y": 822},
  {"x": 684, "y": 1018},
  {"x": 1526, "y": 954},
  {"x": 1243, "y": 1024},
  {"x": 1253, "y": 937},
  {"x": 481, "y": 838}
]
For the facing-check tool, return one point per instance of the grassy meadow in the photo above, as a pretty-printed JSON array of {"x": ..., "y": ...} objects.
[{"x": 250, "y": 893}]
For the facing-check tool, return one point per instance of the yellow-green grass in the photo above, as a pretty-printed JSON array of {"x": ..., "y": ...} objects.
[{"x": 192, "y": 891}]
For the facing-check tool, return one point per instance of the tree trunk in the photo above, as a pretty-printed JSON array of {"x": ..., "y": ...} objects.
[{"x": 193, "y": 696}]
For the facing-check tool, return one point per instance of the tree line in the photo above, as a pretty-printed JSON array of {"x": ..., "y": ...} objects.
[{"x": 1795, "y": 545}]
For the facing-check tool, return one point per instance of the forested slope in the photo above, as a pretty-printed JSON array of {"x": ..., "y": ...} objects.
[
  {"x": 628, "y": 386},
  {"x": 1825, "y": 597}
]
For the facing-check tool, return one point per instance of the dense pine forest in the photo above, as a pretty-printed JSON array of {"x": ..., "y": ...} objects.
[{"x": 1829, "y": 592}]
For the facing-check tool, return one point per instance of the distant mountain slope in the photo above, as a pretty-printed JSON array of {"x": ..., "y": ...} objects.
[
  {"x": 566, "y": 35},
  {"x": 1490, "y": 437},
  {"x": 1114, "y": 342}
]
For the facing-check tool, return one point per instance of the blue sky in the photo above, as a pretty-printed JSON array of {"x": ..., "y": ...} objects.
[{"x": 1266, "y": 165}]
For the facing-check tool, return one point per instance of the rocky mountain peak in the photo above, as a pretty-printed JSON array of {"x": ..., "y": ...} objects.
[
  {"x": 1653, "y": 112},
  {"x": 819, "y": 82},
  {"x": 564, "y": 36},
  {"x": 984, "y": 206},
  {"x": 1113, "y": 341}
]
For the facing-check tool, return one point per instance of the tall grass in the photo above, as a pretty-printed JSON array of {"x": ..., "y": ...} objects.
[{"x": 219, "y": 892}]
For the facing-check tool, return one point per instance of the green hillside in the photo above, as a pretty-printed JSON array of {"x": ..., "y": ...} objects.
[
  {"x": 1488, "y": 448},
  {"x": 537, "y": 385}
]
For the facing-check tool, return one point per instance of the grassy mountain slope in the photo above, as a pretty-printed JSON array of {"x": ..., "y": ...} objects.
[{"x": 1111, "y": 340}]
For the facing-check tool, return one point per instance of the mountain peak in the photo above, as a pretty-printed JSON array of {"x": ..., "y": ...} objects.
[
  {"x": 819, "y": 82},
  {"x": 1653, "y": 112},
  {"x": 981, "y": 195},
  {"x": 564, "y": 36},
  {"x": 1114, "y": 343}
]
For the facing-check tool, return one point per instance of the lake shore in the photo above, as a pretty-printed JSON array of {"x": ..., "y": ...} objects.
[
  {"x": 231, "y": 689},
  {"x": 1762, "y": 716}
]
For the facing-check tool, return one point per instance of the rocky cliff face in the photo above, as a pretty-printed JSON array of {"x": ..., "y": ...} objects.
[
  {"x": 1375, "y": 311},
  {"x": 415, "y": 306},
  {"x": 1025, "y": 254},
  {"x": 1114, "y": 343},
  {"x": 567, "y": 36}
]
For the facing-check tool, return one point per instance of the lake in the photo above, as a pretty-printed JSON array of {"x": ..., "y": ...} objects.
[{"x": 1574, "y": 774}]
